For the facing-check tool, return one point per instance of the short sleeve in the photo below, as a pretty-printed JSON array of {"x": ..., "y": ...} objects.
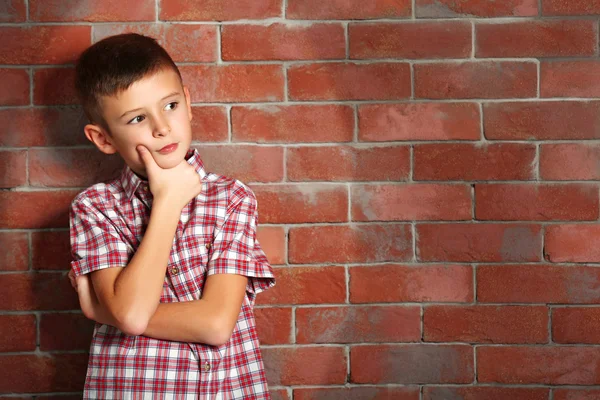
[
  {"x": 236, "y": 250},
  {"x": 96, "y": 243}
]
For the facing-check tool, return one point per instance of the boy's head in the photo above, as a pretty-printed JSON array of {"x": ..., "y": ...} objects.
[{"x": 133, "y": 94}]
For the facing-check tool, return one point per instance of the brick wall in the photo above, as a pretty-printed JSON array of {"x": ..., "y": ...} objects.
[{"x": 426, "y": 172}]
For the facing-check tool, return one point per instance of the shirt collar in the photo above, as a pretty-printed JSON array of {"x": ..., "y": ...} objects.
[{"x": 131, "y": 181}]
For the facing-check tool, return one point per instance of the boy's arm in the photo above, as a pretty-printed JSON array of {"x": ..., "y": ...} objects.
[
  {"x": 210, "y": 320},
  {"x": 131, "y": 295}
]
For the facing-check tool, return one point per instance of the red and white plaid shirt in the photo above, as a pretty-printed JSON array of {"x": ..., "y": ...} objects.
[{"x": 216, "y": 234}]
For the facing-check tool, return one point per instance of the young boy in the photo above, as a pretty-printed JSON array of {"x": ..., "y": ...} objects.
[{"x": 165, "y": 257}]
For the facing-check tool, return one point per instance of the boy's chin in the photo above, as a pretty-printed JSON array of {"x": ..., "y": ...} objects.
[{"x": 170, "y": 163}]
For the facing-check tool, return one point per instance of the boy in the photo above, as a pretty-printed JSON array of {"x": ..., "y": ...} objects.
[{"x": 165, "y": 257}]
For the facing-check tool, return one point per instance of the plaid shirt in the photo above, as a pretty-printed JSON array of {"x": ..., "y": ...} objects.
[{"x": 216, "y": 234}]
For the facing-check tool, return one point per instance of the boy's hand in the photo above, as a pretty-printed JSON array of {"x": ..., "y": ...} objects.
[{"x": 176, "y": 186}]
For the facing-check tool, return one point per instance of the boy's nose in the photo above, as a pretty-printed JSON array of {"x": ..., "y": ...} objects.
[{"x": 161, "y": 129}]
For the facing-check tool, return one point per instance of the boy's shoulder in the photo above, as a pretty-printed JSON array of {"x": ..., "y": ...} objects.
[
  {"x": 102, "y": 194},
  {"x": 221, "y": 187}
]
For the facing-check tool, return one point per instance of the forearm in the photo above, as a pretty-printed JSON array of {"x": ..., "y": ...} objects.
[
  {"x": 138, "y": 287},
  {"x": 191, "y": 321}
]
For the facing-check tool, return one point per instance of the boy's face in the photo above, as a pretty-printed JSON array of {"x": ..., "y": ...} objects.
[{"x": 154, "y": 112}]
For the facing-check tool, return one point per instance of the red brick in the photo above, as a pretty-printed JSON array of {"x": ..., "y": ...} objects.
[
  {"x": 419, "y": 121},
  {"x": 33, "y": 373},
  {"x": 93, "y": 11},
  {"x": 522, "y": 283},
  {"x": 356, "y": 324},
  {"x": 14, "y": 167},
  {"x": 283, "y": 42},
  {"x": 43, "y": 44},
  {"x": 15, "y": 86},
  {"x": 209, "y": 124},
  {"x": 428, "y": 364},
  {"x": 234, "y": 83},
  {"x": 14, "y": 251},
  {"x": 349, "y": 81},
  {"x": 474, "y": 162},
  {"x": 358, "y": 393},
  {"x": 569, "y": 161},
  {"x": 274, "y": 325},
  {"x": 576, "y": 325},
  {"x": 183, "y": 42},
  {"x": 475, "y": 8},
  {"x": 307, "y": 285},
  {"x": 536, "y": 202},
  {"x": 392, "y": 283},
  {"x": 481, "y": 79},
  {"x": 570, "y": 79},
  {"x": 279, "y": 394},
  {"x": 419, "y": 202},
  {"x": 54, "y": 326},
  {"x": 38, "y": 291},
  {"x": 13, "y": 11},
  {"x": 294, "y": 204},
  {"x": 484, "y": 393},
  {"x": 50, "y": 250},
  {"x": 556, "y": 365},
  {"x": 348, "y": 9},
  {"x": 18, "y": 332},
  {"x": 26, "y": 210},
  {"x": 54, "y": 86},
  {"x": 570, "y": 7},
  {"x": 486, "y": 324},
  {"x": 354, "y": 243},
  {"x": 272, "y": 239},
  {"x": 348, "y": 163},
  {"x": 449, "y": 39},
  {"x": 246, "y": 163},
  {"x": 576, "y": 394},
  {"x": 305, "y": 365},
  {"x": 572, "y": 243},
  {"x": 292, "y": 124},
  {"x": 549, "y": 38},
  {"x": 548, "y": 120},
  {"x": 219, "y": 10},
  {"x": 71, "y": 167},
  {"x": 27, "y": 127},
  {"x": 481, "y": 242},
  {"x": 23, "y": 398}
]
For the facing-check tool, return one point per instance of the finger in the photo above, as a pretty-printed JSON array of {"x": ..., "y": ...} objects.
[{"x": 146, "y": 157}]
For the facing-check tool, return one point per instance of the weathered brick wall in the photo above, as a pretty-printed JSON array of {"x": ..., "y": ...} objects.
[{"x": 427, "y": 176}]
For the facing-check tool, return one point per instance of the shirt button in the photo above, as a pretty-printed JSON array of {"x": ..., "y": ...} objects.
[
  {"x": 207, "y": 245},
  {"x": 207, "y": 367},
  {"x": 174, "y": 270}
]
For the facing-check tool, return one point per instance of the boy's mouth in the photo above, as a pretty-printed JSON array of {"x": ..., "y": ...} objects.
[{"x": 168, "y": 148}]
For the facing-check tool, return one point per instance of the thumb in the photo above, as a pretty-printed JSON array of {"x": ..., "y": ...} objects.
[{"x": 146, "y": 157}]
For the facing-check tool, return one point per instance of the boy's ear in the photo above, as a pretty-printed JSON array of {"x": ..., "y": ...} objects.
[
  {"x": 100, "y": 138},
  {"x": 188, "y": 102}
]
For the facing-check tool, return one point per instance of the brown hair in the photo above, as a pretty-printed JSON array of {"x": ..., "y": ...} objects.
[{"x": 112, "y": 65}]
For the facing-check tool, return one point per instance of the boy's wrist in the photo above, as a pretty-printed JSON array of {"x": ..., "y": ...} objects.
[{"x": 166, "y": 209}]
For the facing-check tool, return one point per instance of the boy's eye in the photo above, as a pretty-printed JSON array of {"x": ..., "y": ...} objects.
[
  {"x": 136, "y": 120},
  {"x": 174, "y": 104}
]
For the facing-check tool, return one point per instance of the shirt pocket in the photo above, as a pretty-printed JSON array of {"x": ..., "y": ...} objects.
[{"x": 193, "y": 262}]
